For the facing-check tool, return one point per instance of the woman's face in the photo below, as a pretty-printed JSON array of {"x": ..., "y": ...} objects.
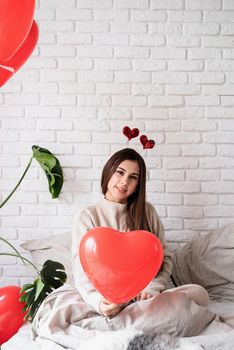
[{"x": 123, "y": 182}]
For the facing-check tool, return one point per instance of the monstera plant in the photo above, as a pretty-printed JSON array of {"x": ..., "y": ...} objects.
[
  {"x": 52, "y": 275},
  {"x": 51, "y": 167}
]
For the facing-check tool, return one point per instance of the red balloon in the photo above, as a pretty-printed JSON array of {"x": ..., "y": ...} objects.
[
  {"x": 120, "y": 265},
  {"x": 5, "y": 74},
  {"x": 15, "y": 22},
  {"x": 8, "y": 68},
  {"x": 11, "y": 314}
]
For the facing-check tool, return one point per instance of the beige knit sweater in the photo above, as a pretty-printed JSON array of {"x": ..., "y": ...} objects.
[{"x": 112, "y": 214}]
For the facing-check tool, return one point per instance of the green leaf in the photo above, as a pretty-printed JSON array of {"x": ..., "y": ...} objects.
[
  {"x": 25, "y": 287},
  {"x": 39, "y": 288},
  {"x": 52, "y": 276},
  {"x": 51, "y": 167}
]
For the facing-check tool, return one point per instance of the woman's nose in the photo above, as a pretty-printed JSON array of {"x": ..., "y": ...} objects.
[{"x": 124, "y": 180}]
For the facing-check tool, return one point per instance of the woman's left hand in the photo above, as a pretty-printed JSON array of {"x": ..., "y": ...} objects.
[{"x": 143, "y": 296}]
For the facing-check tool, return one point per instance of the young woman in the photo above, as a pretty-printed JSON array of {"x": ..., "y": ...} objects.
[
  {"x": 124, "y": 208},
  {"x": 73, "y": 314}
]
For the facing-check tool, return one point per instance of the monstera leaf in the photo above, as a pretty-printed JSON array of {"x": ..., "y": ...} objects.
[
  {"x": 52, "y": 276},
  {"x": 51, "y": 167}
]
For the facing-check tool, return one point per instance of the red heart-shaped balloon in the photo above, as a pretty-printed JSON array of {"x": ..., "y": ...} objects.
[
  {"x": 15, "y": 22},
  {"x": 130, "y": 133},
  {"x": 146, "y": 143},
  {"x": 120, "y": 265},
  {"x": 9, "y": 67},
  {"x": 11, "y": 314}
]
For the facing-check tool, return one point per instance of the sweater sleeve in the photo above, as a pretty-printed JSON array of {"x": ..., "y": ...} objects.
[
  {"x": 160, "y": 282},
  {"x": 90, "y": 295}
]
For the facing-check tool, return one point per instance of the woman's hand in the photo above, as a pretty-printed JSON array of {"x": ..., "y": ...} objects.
[
  {"x": 143, "y": 296},
  {"x": 109, "y": 309}
]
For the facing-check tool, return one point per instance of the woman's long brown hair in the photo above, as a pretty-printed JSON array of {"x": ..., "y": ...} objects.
[{"x": 136, "y": 218}]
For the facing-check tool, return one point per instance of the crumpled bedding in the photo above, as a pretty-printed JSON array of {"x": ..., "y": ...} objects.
[
  {"x": 65, "y": 322},
  {"x": 208, "y": 260},
  {"x": 216, "y": 336},
  {"x": 214, "y": 332}
]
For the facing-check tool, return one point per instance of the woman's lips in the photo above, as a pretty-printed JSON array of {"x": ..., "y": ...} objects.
[{"x": 121, "y": 190}]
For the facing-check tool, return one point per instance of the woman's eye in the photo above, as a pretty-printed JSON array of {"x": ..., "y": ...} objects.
[{"x": 120, "y": 172}]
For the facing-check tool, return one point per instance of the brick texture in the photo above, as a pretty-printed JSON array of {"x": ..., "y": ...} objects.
[{"x": 165, "y": 67}]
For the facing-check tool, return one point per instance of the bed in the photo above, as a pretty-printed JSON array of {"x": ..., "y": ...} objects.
[{"x": 207, "y": 260}]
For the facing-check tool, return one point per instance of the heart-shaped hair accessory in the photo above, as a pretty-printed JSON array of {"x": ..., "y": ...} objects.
[
  {"x": 147, "y": 143},
  {"x": 130, "y": 133}
]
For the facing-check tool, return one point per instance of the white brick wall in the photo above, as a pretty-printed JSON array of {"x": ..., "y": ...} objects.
[{"x": 166, "y": 67}]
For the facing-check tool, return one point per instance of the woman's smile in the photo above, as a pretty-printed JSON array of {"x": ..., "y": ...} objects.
[
  {"x": 123, "y": 182},
  {"x": 121, "y": 189}
]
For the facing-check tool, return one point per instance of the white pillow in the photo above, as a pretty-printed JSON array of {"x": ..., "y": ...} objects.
[
  {"x": 208, "y": 260},
  {"x": 57, "y": 248}
]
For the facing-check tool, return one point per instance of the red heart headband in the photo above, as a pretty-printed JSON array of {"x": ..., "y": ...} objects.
[{"x": 132, "y": 133}]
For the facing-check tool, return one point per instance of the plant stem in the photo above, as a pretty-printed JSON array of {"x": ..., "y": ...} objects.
[
  {"x": 11, "y": 245},
  {"x": 15, "y": 188},
  {"x": 22, "y": 258},
  {"x": 18, "y": 255}
]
